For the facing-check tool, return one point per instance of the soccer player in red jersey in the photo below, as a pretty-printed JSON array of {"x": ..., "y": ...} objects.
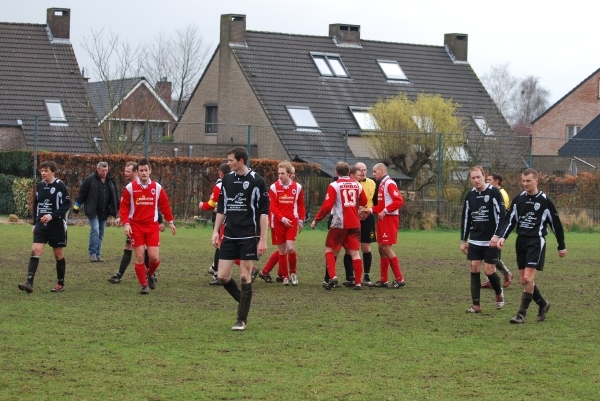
[
  {"x": 343, "y": 199},
  {"x": 140, "y": 203},
  {"x": 286, "y": 213},
  {"x": 387, "y": 210}
]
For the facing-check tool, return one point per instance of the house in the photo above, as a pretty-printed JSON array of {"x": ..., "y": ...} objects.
[
  {"x": 39, "y": 76},
  {"x": 306, "y": 98},
  {"x": 567, "y": 117},
  {"x": 126, "y": 107}
]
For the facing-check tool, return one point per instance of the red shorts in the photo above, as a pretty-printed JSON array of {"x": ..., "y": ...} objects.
[
  {"x": 281, "y": 233},
  {"x": 144, "y": 234},
  {"x": 348, "y": 238},
  {"x": 387, "y": 230}
]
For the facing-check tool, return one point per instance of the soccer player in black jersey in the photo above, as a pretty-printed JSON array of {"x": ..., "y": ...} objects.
[
  {"x": 244, "y": 202},
  {"x": 531, "y": 212},
  {"x": 482, "y": 217},
  {"x": 50, "y": 208}
]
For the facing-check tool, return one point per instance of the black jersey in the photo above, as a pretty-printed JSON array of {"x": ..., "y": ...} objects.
[
  {"x": 52, "y": 199},
  {"x": 243, "y": 199},
  {"x": 482, "y": 215},
  {"x": 531, "y": 214}
]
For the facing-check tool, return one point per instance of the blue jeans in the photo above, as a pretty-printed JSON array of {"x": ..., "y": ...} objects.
[{"x": 96, "y": 235}]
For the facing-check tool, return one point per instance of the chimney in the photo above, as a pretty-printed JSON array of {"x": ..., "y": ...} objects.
[
  {"x": 457, "y": 45},
  {"x": 164, "y": 89},
  {"x": 233, "y": 29},
  {"x": 59, "y": 22},
  {"x": 345, "y": 33}
]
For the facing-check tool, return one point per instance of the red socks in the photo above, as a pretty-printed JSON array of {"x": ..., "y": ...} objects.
[
  {"x": 358, "y": 268},
  {"x": 283, "y": 265},
  {"x": 383, "y": 266},
  {"x": 271, "y": 263},
  {"x": 292, "y": 262},
  {"x": 140, "y": 272},
  {"x": 330, "y": 261},
  {"x": 396, "y": 268}
]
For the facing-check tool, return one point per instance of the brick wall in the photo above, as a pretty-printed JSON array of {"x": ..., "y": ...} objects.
[
  {"x": 579, "y": 108},
  {"x": 12, "y": 138}
]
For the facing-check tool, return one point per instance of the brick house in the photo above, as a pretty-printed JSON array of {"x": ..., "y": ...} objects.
[
  {"x": 305, "y": 97},
  {"x": 39, "y": 76},
  {"x": 125, "y": 107},
  {"x": 567, "y": 117}
]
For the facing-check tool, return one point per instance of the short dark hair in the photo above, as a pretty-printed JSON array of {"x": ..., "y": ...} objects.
[
  {"x": 239, "y": 153},
  {"x": 497, "y": 177},
  {"x": 532, "y": 171},
  {"x": 49, "y": 164},
  {"x": 144, "y": 162},
  {"x": 224, "y": 168},
  {"x": 342, "y": 168},
  {"x": 353, "y": 170}
]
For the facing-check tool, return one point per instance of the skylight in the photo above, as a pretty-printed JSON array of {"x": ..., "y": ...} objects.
[
  {"x": 329, "y": 65},
  {"x": 483, "y": 126},
  {"x": 392, "y": 70},
  {"x": 55, "y": 111},
  {"x": 302, "y": 117},
  {"x": 364, "y": 119}
]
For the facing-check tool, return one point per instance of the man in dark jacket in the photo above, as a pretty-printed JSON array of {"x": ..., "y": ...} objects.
[{"x": 98, "y": 192}]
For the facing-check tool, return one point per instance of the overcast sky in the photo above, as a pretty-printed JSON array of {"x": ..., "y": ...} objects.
[{"x": 557, "y": 42}]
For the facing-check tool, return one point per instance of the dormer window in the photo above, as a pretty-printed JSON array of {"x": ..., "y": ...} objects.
[
  {"x": 302, "y": 117},
  {"x": 483, "y": 126},
  {"x": 330, "y": 65},
  {"x": 364, "y": 119},
  {"x": 392, "y": 70},
  {"x": 55, "y": 111}
]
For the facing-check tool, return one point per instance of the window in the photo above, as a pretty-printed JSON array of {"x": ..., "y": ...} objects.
[
  {"x": 483, "y": 126},
  {"x": 55, "y": 111},
  {"x": 330, "y": 65},
  {"x": 302, "y": 117},
  {"x": 364, "y": 119},
  {"x": 210, "y": 122},
  {"x": 392, "y": 70},
  {"x": 572, "y": 130},
  {"x": 424, "y": 123}
]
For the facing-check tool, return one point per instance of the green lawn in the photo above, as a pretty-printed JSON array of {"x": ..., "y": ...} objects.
[{"x": 103, "y": 341}]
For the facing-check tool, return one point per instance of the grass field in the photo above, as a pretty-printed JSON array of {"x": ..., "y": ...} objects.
[{"x": 99, "y": 341}]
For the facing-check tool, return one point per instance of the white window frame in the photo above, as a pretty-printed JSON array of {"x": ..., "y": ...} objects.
[
  {"x": 389, "y": 74},
  {"x": 483, "y": 126},
  {"x": 300, "y": 115},
  {"x": 575, "y": 130},
  {"x": 327, "y": 59},
  {"x": 54, "y": 118},
  {"x": 364, "y": 119}
]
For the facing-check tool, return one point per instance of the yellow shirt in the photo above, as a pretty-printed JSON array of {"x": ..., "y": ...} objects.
[
  {"x": 505, "y": 198},
  {"x": 368, "y": 186}
]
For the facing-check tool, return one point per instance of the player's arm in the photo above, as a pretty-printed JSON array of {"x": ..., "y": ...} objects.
[
  {"x": 64, "y": 203},
  {"x": 301, "y": 208},
  {"x": 35, "y": 207},
  {"x": 124, "y": 210},
  {"x": 465, "y": 224},
  {"x": 212, "y": 201},
  {"x": 327, "y": 205},
  {"x": 396, "y": 196},
  {"x": 262, "y": 242},
  {"x": 557, "y": 227},
  {"x": 273, "y": 205},
  {"x": 218, "y": 223}
]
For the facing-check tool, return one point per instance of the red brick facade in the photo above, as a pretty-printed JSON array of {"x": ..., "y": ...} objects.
[
  {"x": 12, "y": 138},
  {"x": 577, "y": 108}
]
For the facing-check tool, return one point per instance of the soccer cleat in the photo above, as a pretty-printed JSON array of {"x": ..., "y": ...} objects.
[
  {"x": 58, "y": 288},
  {"x": 114, "y": 279},
  {"x": 286, "y": 281},
  {"x": 325, "y": 284},
  {"x": 144, "y": 290},
  {"x": 358, "y": 287},
  {"x": 348, "y": 283},
  {"x": 500, "y": 300},
  {"x": 279, "y": 279},
  {"x": 26, "y": 287},
  {"x": 210, "y": 270},
  {"x": 381, "y": 284},
  {"x": 487, "y": 284},
  {"x": 152, "y": 281},
  {"x": 542, "y": 313},
  {"x": 255, "y": 272},
  {"x": 518, "y": 319},
  {"x": 294, "y": 279},
  {"x": 367, "y": 281},
  {"x": 333, "y": 283},
  {"x": 398, "y": 284},
  {"x": 214, "y": 281},
  {"x": 507, "y": 280},
  {"x": 265, "y": 277},
  {"x": 239, "y": 326},
  {"x": 474, "y": 309}
]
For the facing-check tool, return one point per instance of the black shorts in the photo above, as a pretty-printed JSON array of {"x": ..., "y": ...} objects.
[
  {"x": 367, "y": 230},
  {"x": 242, "y": 249},
  {"x": 53, "y": 234},
  {"x": 531, "y": 252},
  {"x": 485, "y": 253}
]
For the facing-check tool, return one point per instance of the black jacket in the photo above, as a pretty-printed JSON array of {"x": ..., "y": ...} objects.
[{"x": 88, "y": 194}]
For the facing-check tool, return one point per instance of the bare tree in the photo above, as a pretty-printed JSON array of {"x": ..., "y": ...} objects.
[
  {"x": 529, "y": 100},
  {"x": 181, "y": 58},
  {"x": 501, "y": 85}
]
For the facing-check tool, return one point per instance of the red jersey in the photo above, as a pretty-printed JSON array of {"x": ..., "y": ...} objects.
[
  {"x": 388, "y": 197},
  {"x": 214, "y": 197},
  {"x": 343, "y": 198},
  {"x": 286, "y": 201},
  {"x": 140, "y": 203}
]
